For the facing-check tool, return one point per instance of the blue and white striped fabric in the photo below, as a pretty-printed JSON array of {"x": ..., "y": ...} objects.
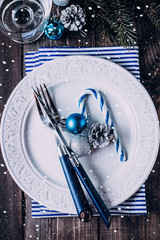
[
  {"x": 129, "y": 59},
  {"x": 136, "y": 205}
]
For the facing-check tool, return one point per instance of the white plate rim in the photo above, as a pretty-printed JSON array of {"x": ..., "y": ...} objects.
[{"x": 92, "y": 60}]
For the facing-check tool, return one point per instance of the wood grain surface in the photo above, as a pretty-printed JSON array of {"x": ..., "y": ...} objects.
[{"x": 15, "y": 206}]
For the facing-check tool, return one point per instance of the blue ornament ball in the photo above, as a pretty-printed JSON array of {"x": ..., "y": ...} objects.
[
  {"x": 54, "y": 30},
  {"x": 76, "y": 123}
]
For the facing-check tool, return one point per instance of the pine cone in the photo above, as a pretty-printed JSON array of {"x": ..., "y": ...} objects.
[
  {"x": 100, "y": 135},
  {"x": 73, "y": 18}
]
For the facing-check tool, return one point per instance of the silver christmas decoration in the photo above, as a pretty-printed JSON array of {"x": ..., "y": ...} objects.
[
  {"x": 80, "y": 145},
  {"x": 100, "y": 135},
  {"x": 73, "y": 18}
]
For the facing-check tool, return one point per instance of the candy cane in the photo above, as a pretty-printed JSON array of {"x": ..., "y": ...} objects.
[{"x": 108, "y": 119}]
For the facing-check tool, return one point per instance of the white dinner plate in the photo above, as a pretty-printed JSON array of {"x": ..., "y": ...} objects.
[{"x": 29, "y": 148}]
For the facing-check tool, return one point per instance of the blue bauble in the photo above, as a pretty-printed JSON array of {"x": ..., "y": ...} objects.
[
  {"x": 54, "y": 30},
  {"x": 76, "y": 123}
]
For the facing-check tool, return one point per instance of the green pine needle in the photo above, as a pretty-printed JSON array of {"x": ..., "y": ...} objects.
[
  {"x": 116, "y": 18},
  {"x": 153, "y": 13},
  {"x": 121, "y": 21}
]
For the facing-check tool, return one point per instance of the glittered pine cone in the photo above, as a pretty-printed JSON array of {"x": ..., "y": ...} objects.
[
  {"x": 100, "y": 135},
  {"x": 73, "y": 18}
]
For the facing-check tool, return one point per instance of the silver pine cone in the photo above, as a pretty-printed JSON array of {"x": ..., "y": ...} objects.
[
  {"x": 100, "y": 135},
  {"x": 73, "y": 18}
]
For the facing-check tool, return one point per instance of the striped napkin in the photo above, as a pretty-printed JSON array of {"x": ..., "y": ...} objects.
[{"x": 127, "y": 58}]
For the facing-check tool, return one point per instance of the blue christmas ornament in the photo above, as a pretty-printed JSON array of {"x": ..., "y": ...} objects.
[
  {"x": 76, "y": 123},
  {"x": 54, "y": 30}
]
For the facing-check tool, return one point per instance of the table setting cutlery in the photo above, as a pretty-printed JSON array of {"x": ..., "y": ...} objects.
[
  {"x": 69, "y": 162},
  {"x": 51, "y": 115}
]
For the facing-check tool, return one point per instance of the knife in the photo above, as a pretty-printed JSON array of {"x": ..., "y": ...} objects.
[{"x": 94, "y": 195}]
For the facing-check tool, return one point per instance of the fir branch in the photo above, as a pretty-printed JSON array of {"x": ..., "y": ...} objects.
[
  {"x": 153, "y": 13},
  {"x": 116, "y": 18},
  {"x": 97, "y": 11},
  {"x": 122, "y": 23}
]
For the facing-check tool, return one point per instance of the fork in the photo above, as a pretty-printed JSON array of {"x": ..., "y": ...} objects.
[
  {"x": 80, "y": 201},
  {"x": 67, "y": 155},
  {"x": 52, "y": 108}
]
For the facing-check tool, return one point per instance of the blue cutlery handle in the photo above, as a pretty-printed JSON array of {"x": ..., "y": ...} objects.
[
  {"x": 94, "y": 195},
  {"x": 75, "y": 188}
]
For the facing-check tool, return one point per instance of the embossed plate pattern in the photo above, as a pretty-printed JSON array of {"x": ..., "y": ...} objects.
[{"x": 29, "y": 148}]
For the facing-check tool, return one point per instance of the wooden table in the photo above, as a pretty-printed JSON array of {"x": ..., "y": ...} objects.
[{"x": 15, "y": 206}]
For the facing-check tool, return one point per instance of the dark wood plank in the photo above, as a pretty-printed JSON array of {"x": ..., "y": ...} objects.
[
  {"x": 15, "y": 208},
  {"x": 58, "y": 228},
  {"x": 10, "y": 195}
]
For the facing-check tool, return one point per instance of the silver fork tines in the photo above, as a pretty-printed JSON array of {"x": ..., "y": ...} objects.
[
  {"x": 42, "y": 114},
  {"x": 46, "y": 112},
  {"x": 43, "y": 97}
]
